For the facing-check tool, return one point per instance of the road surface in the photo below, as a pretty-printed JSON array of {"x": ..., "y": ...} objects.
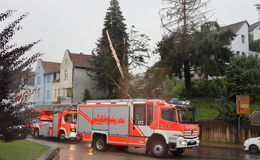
[{"x": 82, "y": 151}]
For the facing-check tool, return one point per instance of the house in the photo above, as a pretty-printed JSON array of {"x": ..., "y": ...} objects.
[
  {"x": 254, "y": 31},
  {"x": 45, "y": 74},
  {"x": 74, "y": 79},
  {"x": 240, "y": 44}
]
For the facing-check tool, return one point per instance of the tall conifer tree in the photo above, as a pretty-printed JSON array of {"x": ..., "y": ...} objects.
[{"x": 104, "y": 68}]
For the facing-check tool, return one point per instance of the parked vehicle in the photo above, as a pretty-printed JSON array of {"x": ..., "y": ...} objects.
[
  {"x": 152, "y": 124},
  {"x": 252, "y": 145},
  {"x": 55, "y": 121}
]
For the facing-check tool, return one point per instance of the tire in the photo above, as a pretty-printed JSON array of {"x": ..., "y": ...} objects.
[
  {"x": 36, "y": 133},
  {"x": 159, "y": 148},
  {"x": 100, "y": 144},
  {"x": 253, "y": 149},
  {"x": 62, "y": 136},
  {"x": 178, "y": 152}
]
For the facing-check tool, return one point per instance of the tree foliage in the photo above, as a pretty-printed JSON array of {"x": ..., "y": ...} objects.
[
  {"x": 131, "y": 49},
  {"x": 14, "y": 74},
  {"x": 243, "y": 76},
  {"x": 208, "y": 53},
  {"x": 182, "y": 18},
  {"x": 104, "y": 68}
]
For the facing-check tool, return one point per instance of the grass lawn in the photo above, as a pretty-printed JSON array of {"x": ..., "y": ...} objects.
[
  {"x": 206, "y": 108},
  {"x": 21, "y": 149}
]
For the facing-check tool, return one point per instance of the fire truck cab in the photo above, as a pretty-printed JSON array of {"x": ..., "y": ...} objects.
[
  {"x": 55, "y": 121},
  {"x": 152, "y": 124}
]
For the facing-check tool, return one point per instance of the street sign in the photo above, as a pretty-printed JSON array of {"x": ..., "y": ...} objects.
[{"x": 243, "y": 104}]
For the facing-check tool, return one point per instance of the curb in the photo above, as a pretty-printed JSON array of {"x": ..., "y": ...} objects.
[
  {"x": 237, "y": 147},
  {"x": 51, "y": 154}
]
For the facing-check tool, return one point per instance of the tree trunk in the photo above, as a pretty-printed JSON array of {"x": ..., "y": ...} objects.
[{"x": 187, "y": 75}]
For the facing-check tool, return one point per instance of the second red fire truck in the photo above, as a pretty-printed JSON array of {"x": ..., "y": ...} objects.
[
  {"x": 152, "y": 124},
  {"x": 55, "y": 121}
]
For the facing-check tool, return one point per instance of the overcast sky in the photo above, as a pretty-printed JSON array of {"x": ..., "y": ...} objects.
[{"x": 77, "y": 24}]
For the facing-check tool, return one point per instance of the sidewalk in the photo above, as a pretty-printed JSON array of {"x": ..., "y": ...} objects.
[{"x": 218, "y": 145}]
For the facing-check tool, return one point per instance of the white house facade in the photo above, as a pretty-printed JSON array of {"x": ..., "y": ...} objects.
[
  {"x": 254, "y": 31},
  {"x": 240, "y": 44}
]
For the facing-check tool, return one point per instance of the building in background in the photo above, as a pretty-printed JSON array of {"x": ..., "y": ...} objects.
[
  {"x": 74, "y": 78},
  {"x": 254, "y": 31},
  {"x": 66, "y": 82},
  {"x": 240, "y": 44},
  {"x": 45, "y": 73}
]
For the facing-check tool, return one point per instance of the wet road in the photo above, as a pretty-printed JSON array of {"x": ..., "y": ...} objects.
[{"x": 83, "y": 151}]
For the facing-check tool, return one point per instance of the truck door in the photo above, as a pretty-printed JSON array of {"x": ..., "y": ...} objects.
[{"x": 141, "y": 119}]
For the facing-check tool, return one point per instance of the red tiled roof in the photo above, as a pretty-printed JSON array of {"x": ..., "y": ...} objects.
[
  {"x": 81, "y": 60},
  {"x": 50, "y": 67}
]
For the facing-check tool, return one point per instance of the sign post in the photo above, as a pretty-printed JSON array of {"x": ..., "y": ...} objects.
[{"x": 242, "y": 107}]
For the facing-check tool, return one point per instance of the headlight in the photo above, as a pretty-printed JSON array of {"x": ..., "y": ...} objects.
[
  {"x": 73, "y": 129},
  {"x": 183, "y": 142}
]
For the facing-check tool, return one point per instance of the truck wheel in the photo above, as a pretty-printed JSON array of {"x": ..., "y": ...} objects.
[
  {"x": 62, "y": 136},
  {"x": 100, "y": 144},
  {"x": 159, "y": 148},
  {"x": 253, "y": 149},
  {"x": 36, "y": 133},
  {"x": 178, "y": 151}
]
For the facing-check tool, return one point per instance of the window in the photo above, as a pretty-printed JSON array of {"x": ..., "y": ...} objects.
[
  {"x": 169, "y": 114},
  {"x": 55, "y": 94},
  {"x": 243, "y": 53},
  {"x": 139, "y": 114},
  {"x": 149, "y": 114},
  {"x": 237, "y": 53},
  {"x": 38, "y": 80},
  {"x": 65, "y": 75},
  {"x": 58, "y": 92},
  {"x": 243, "y": 38},
  {"x": 48, "y": 94}
]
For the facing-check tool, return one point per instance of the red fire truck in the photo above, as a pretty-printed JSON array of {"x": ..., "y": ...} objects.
[
  {"x": 55, "y": 121},
  {"x": 155, "y": 125}
]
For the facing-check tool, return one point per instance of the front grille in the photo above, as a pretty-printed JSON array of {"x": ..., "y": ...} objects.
[{"x": 190, "y": 133}]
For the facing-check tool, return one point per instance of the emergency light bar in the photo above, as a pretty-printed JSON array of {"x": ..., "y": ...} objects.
[{"x": 123, "y": 100}]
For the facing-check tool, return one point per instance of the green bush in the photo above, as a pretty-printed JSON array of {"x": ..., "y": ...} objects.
[{"x": 206, "y": 88}]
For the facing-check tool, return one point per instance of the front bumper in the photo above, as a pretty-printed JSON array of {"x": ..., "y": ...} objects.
[
  {"x": 72, "y": 135},
  {"x": 187, "y": 143}
]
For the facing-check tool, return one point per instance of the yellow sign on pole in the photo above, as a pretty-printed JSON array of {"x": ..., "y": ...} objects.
[{"x": 243, "y": 104}]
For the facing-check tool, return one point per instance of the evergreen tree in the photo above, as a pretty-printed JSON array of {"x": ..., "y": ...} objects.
[
  {"x": 129, "y": 47},
  {"x": 14, "y": 74},
  {"x": 104, "y": 69}
]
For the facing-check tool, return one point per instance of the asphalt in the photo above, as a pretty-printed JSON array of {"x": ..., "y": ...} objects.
[{"x": 74, "y": 150}]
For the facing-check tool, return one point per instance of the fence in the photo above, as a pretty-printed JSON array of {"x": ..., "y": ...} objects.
[{"x": 222, "y": 131}]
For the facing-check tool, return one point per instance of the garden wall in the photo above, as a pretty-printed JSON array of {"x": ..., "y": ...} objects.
[{"x": 224, "y": 132}]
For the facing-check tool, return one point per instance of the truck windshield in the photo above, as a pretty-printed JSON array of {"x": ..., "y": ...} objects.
[
  {"x": 186, "y": 115},
  {"x": 71, "y": 118}
]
